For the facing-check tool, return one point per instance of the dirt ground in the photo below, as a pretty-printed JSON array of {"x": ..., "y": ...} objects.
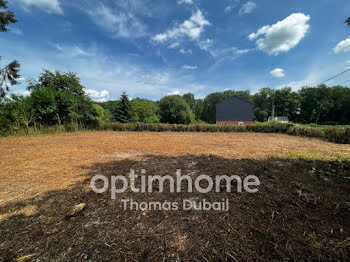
[{"x": 301, "y": 211}]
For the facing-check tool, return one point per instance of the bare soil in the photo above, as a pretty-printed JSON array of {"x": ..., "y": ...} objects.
[{"x": 301, "y": 211}]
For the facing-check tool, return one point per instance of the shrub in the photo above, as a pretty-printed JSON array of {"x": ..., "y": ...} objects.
[{"x": 338, "y": 135}]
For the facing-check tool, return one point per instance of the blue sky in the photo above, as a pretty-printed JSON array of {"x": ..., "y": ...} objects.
[{"x": 151, "y": 48}]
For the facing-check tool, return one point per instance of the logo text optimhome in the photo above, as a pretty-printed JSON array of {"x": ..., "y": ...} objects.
[{"x": 145, "y": 183}]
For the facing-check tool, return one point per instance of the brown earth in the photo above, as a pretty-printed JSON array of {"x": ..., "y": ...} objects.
[{"x": 301, "y": 211}]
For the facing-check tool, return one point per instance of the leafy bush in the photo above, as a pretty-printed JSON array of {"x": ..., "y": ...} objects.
[{"x": 338, "y": 135}]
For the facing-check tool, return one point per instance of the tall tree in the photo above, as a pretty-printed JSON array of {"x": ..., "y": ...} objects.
[
  {"x": 124, "y": 110},
  {"x": 9, "y": 74}
]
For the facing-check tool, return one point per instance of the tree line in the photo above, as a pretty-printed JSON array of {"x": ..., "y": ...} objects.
[{"x": 58, "y": 99}]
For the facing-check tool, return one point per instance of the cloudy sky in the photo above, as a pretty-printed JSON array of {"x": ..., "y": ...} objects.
[{"x": 151, "y": 48}]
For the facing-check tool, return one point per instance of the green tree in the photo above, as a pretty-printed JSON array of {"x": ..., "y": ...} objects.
[
  {"x": 45, "y": 105},
  {"x": 260, "y": 115},
  {"x": 6, "y": 17},
  {"x": 190, "y": 100},
  {"x": 316, "y": 103},
  {"x": 103, "y": 115},
  {"x": 9, "y": 74},
  {"x": 286, "y": 102},
  {"x": 263, "y": 101},
  {"x": 124, "y": 113},
  {"x": 145, "y": 111},
  {"x": 58, "y": 98},
  {"x": 198, "y": 109},
  {"x": 111, "y": 109},
  {"x": 58, "y": 81},
  {"x": 175, "y": 110}
]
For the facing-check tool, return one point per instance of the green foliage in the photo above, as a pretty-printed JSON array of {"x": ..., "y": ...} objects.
[
  {"x": 260, "y": 115},
  {"x": 325, "y": 105},
  {"x": 124, "y": 109},
  {"x": 55, "y": 99},
  {"x": 111, "y": 110},
  {"x": 175, "y": 110},
  {"x": 145, "y": 111},
  {"x": 9, "y": 74},
  {"x": 190, "y": 100},
  {"x": 286, "y": 103},
  {"x": 58, "y": 102},
  {"x": 16, "y": 114},
  {"x": 6, "y": 17},
  {"x": 59, "y": 82},
  {"x": 336, "y": 135},
  {"x": 198, "y": 109},
  {"x": 101, "y": 115}
]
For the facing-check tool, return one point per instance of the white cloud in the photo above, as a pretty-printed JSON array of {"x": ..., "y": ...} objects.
[
  {"x": 231, "y": 52},
  {"x": 342, "y": 47},
  {"x": 188, "y": 67},
  {"x": 120, "y": 22},
  {"x": 103, "y": 71},
  {"x": 98, "y": 96},
  {"x": 154, "y": 79},
  {"x": 174, "y": 45},
  {"x": 282, "y": 36},
  {"x": 247, "y": 8},
  {"x": 228, "y": 8},
  {"x": 278, "y": 72},
  {"x": 184, "y": 51},
  {"x": 191, "y": 28},
  {"x": 75, "y": 51},
  {"x": 242, "y": 51},
  {"x": 49, "y": 6},
  {"x": 173, "y": 93},
  {"x": 313, "y": 77},
  {"x": 206, "y": 44},
  {"x": 190, "y": 2}
]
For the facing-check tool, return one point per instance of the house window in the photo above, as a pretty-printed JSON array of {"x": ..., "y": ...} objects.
[
  {"x": 223, "y": 123},
  {"x": 240, "y": 123}
]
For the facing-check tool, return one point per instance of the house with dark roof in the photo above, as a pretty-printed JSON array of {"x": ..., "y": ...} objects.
[{"x": 234, "y": 111}]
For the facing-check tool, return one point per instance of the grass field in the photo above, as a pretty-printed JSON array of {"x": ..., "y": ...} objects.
[{"x": 301, "y": 211}]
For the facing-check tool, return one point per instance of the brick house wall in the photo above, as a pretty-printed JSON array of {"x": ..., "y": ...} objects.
[{"x": 234, "y": 122}]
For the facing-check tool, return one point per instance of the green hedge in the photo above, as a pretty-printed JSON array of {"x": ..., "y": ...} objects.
[
  {"x": 339, "y": 135},
  {"x": 336, "y": 135}
]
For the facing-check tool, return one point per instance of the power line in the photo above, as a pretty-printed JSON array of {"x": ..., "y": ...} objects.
[{"x": 333, "y": 77}]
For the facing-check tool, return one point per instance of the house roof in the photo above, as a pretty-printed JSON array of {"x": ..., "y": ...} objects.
[{"x": 235, "y": 108}]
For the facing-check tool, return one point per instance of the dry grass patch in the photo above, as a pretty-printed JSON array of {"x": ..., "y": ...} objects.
[{"x": 300, "y": 212}]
